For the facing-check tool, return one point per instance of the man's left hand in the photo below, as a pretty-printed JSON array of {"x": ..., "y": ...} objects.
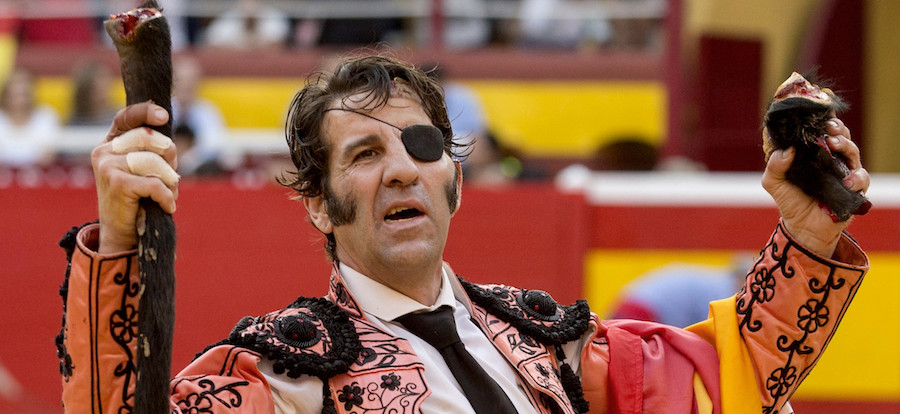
[{"x": 804, "y": 218}]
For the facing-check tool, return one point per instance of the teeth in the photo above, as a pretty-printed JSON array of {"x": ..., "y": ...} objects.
[
  {"x": 388, "y": 218},
  {"x": 396, "y": 210}
]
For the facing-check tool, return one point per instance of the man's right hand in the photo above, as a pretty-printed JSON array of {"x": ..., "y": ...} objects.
[{"x": 133, "y": 162}]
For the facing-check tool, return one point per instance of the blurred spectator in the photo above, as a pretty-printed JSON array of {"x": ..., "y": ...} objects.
[
  {"x": 490, "y": 163},
  {"x": 27, "y": 129},
  {"x": 636, "y": 33},
  {"x": 91, "y": 95},
  {"x": 175, "y": 16},
  {"x": 248, "y": 25},
  {"x": 195, "y": 116},
  {"x": 190, "y": 160},
  {"x": 625, "y": 154},
  {"x": 679, "y": 294},
  {"x": 561, "y": 24},
  {"x": 465, "y": 25}
]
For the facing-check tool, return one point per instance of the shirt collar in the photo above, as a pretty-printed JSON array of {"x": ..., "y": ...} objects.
[{"x": 386, "y": 303}]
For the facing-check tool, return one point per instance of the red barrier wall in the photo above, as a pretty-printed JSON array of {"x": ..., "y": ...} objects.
[{"x": 247, "y": 252}]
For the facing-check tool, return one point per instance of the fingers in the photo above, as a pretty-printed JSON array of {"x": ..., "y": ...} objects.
[
  {"x": 148, "y": 164},
  {"x": 145, "y": 139},
  {"x": 839, "y": 141},
  {"x": 835, "y": 127},
  {"x": 779, "y": 162},
  {"x": 139, "y": 163},
  {"x": 133, "y": 116},
  {"x": 135, "y": 140}
]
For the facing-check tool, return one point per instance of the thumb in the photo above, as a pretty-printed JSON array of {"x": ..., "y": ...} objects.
[{"x": 780, "y": 161}]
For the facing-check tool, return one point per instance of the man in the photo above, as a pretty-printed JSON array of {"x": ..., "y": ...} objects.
[{"x": 375, "y": 169}]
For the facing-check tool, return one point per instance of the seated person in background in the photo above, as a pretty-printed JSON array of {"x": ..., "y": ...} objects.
[
  {"x": 679, "y": 294},
  {"x": 91, "y": 103},
  {"x": 190, "y": 162},
  {"x": 248, "y": 25},
  {"x": 27, "y": 128},
  {"x": 194, "y": 115}
]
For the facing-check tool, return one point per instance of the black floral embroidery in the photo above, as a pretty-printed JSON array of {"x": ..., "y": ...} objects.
[
  {"x": 391, "y": 395},
  {"x": 812, "y": 315},
  {"x": 342, "y": 298},
  {"x": 569, "y": 323},
  {"x": 541, "y": 323},
  {"x": 366, "y": 356},
  {"x": 351, "y": 395},
  {"x": 523, "y": 343},
  {"x": 781, "y": 380},
  {"x": 379, "y": 351},
  {"x": 763, "y": 286},
  {"x": 390, "y": 381},
  {"x": 124, "y": 323},
  {"x": 225, "y": 395},
  {"x": 123, "y": 326}
]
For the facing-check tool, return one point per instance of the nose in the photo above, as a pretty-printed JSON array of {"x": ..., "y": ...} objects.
[{"x": 400, "y": 169}]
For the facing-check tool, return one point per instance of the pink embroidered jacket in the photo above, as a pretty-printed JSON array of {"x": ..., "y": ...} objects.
[{"x": 787, "y": 312}]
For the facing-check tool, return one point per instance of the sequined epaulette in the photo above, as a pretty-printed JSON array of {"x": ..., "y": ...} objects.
[
  {"x": 532, "y": 312},
  {"x": 312, "y": 336}
]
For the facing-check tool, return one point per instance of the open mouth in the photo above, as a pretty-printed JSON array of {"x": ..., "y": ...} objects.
[{"x": 401, "y": 214}]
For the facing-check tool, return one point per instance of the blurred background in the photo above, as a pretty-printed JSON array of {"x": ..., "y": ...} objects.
[{"x": 624, "y": 134}]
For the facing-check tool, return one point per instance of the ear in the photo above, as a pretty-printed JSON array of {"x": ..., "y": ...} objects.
[
  {"x": 459, "y": 183},
  {"x": 318, "y": 215}
]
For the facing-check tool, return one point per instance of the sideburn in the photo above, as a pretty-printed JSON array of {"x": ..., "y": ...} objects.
[
  {"x": 452, "y": 190},
  {"x": 341, "y": 210}
]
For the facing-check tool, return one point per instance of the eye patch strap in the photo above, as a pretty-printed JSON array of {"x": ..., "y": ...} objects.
[{"x": 423, "y": 142}]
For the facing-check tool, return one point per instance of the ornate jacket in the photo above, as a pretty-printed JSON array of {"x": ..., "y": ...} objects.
[{"x": 749, "y": 357}]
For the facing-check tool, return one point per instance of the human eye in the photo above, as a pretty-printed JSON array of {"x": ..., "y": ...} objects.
[{"x": 364, "y": 155}]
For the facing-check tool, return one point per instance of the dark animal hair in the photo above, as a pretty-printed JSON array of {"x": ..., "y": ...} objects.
[{"x": 371, "y": 76}]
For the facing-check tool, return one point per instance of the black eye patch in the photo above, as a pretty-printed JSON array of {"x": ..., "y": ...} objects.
[{"x": 423, "y": 142}]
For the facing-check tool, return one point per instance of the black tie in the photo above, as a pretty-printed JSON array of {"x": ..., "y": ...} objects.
[{"x": 438, "y": 329}]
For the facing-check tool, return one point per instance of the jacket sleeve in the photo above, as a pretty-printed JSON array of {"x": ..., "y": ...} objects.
[
  {"x": 766, "y": 338},
  {"x": 790, "y": 307},
  {"x": 99, "y": 338}
]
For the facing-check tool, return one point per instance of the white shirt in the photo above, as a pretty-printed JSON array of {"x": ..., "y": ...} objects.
[
  {"x": 29, "y": 144},
  {"x": 382, "y": 305}
]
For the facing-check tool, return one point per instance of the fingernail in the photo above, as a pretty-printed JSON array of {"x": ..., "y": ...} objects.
[
  {"x": 160, "y": 142},
  {"x": 833, "y": 140},
  {"x": 833, "y": 124},
  {"x": 847, "y": 182},
  {"x": 160, "y": 113}
]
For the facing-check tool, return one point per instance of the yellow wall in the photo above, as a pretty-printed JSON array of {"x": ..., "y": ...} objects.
[
  {"x": 551, "y": 118},
  {"x": 861, "y": 362},
  {"x": 572, "y": 119},
  {"x": 882, "y": 85}
]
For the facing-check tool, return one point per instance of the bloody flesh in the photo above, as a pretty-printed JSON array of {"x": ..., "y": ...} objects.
[{"x": 130, "y": 20}]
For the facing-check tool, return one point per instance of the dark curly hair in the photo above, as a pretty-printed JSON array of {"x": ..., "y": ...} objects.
[{"x": 369, "y": 75}]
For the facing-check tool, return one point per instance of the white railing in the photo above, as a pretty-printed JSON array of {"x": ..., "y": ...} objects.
[{"x": 489, "y": 9}]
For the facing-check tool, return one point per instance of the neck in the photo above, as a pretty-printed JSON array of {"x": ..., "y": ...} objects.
[{"x": 422, "y": 285}]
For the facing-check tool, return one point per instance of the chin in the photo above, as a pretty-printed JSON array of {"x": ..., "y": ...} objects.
[{"x": 413, "y": 255}]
